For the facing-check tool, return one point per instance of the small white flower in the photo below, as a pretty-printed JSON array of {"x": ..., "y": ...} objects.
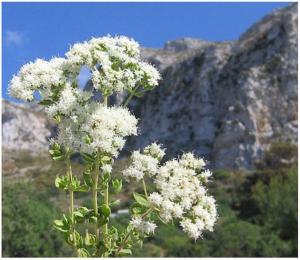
[
  {"x": 155, "y": 198},
  {"x": 132, "y": 172},
  {"x": 155, "y": 151},
  {"x": 107, "y": 168},
  {"x": 145, "y": 227},
  {"x": 141, "y": 164},
  {"x": 205, "y": 175},
  {"x": 190, "y": 228},
  {"x": 189, "y": 161}
]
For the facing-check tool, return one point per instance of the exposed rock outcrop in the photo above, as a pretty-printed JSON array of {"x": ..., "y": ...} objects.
[
  {"x": 227, "y": 101},
  {"x": 25, "y": 128}
]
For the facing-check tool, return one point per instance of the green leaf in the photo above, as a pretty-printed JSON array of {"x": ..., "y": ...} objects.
[
  {"x": 136, "y": 208},
  {"x": 117, "y": 185},
  {"x": 139, "y": 243},
  {"x": 58, "y": 158},
  {"x": 57, "y": 118},
  {"x": 114, "y": 203},
  {"x": 57, "y": 182},
  {"x": 61, "y": 182},
  {"x": 105, "y": 210},
  {"x": 88, "y": 139},
  {"x": 75, "y": 184},
  {"x": 82, "y": 252},
  {"x": 46, "y": 102},
  {"x": 74, "y": 238},
  {"x": 83, "y": 210},
  {"x": 88, "y": 180},
  {"x": 61, "y": 229},
  {"x": 105, "y": 159},
  {"x": 93, "y": 219},
  {"x": 60, "y": 226},
  {"x": 102, "y": 220},
  {"x": 55, "y": 146},
  {"x": 140, "y": 199},
  {"x": 89, "y": 239},
  {"x": 87, "y": 157},
  {"x": 106, "y": 176},
  {"x": 82, "y": 188},
  {"x": 125, "y": 251},
  {"x": 58, "y": 223},
  {"x": 78, "y": 214}
]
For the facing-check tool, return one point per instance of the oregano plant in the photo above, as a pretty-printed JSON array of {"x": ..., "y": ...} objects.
[{"x": 97, "y": 131}]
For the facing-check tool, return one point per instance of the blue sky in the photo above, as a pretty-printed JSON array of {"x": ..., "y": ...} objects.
[{"x": 44, "y": 30}]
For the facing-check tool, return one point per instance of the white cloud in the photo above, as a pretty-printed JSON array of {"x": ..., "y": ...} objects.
[{"x": 13, "y": 38}]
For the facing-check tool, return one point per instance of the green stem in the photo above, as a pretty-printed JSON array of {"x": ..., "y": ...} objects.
[
  {"x": 145, "y": 189},
  {"x": 105, "y": 227},
  {"x": 130, "y": 97},
  {"x": 70, "y": 174},
  {"x": 105, "y": 100},
  {"x": 146, "y": 213},
  {"x": 95, "y": 202},
  {"x": 128, "y": 234}
]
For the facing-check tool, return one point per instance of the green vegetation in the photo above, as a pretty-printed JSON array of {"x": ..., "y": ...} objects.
[
  {"x": 27, "y": 220},
  {"x": 257, "y": 214}
]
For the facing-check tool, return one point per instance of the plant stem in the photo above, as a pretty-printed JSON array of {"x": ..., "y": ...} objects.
[
  {"x": 71, "y": 196},
  {"x": 95, "y": 202},
  {"x": 128, "y": 234},
  {"x": 145, "y": 189},
  {"x": 146, "y": 213},
  {"x": 130, "y": 96},
  {"x": 105, "y": 227},
  {"x": 105, "y": 100}
]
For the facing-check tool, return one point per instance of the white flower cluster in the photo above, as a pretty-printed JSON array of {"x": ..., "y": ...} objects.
[
  {"x": 107, "y": 127},
  {"x": 103, "y": 130},
  {"x": 144, "y": 227},
  {"x": 181, "y": 194},
  {"x": 69, "y": 103},
  {"x": 86, "y": 126},
  {"x": 155, "y": 151},
  {"x": 180, "y": 188},
  {"x": 38, "y": 75},
  {"x": 69, "y": 135},
  {"x": 145, "y": 163},
  {"x": 114, "y": 63}
]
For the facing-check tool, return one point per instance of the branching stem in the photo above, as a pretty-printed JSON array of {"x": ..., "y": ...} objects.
[
  {"x": 130, "y": 96},
  {"x": 145, "y": 189},
  {"x": 95, "y": 197},
  {"x": 128, "y": 234},
  {"x": 71, "y": 192},
  {"x": 106, "y": 200}
]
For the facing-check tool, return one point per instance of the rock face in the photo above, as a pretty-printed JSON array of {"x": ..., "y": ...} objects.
[
  {"x": 225, "y": 101},
  {"x": 24, "y": 128}
]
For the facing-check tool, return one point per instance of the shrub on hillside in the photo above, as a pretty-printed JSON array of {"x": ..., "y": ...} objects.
[{"x": 26, "y": 223}]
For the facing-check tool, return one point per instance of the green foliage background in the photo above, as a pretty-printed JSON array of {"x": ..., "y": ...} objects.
[{"x": 258, "y": 213}]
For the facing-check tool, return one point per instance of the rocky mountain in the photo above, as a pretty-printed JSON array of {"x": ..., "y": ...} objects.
[
  {"x": 226, "y": 101},
  {"x": 25, "y": 127}
]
